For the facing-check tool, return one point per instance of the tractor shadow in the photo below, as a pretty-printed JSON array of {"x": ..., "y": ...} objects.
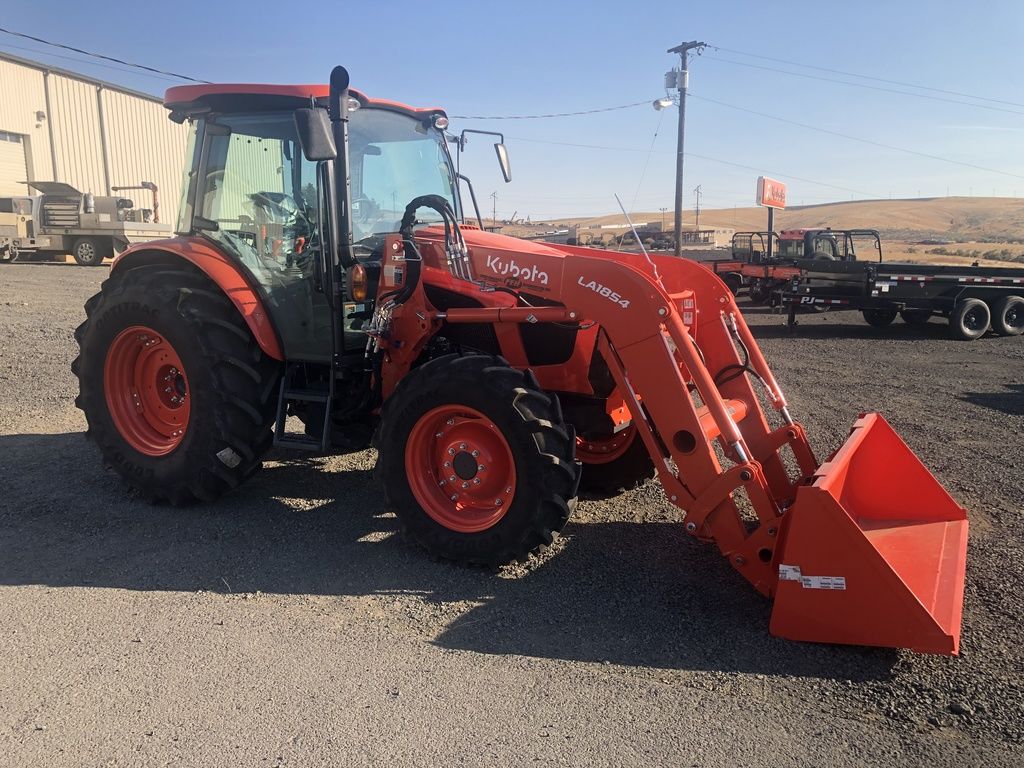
[
  {"x": 1010, "y": 401},
  {"x": 630, "y": 593}
]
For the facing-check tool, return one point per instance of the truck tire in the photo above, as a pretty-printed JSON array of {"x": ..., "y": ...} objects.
[
  {"x": 476, "y": 461},
  {"x": 970, "y": 320},
  {"x": 916, "y": 316},
  {"x": 879, "y": 318},
  {"x": 177, "y": 394},
  {"x": 1008, "y": 316},
  {"x": 90, "y": 251},
  {"x": 732, "y": 280},
  {"x": 619, "y": 463}
]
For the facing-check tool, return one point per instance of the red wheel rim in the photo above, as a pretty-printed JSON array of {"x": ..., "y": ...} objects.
[
  {"x": 460, "y": 468},
  {"x": 606, "y": 450},
  {"x": 147, "y": 392}
]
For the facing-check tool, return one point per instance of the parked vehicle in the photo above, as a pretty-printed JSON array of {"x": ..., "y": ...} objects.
[{"x": 90, "y": 227}]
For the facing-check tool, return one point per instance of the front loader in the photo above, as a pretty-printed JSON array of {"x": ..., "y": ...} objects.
[{"x": 324, "y": 275}]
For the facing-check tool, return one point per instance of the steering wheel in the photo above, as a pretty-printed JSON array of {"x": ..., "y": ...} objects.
[{"x": 365, "y": 215}]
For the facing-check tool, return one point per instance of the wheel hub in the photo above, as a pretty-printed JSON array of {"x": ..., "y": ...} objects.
[
  {"x": 460, "y": 468},
  {"x": 146, "y": 390},
  {"x": 465, "y": 465}
]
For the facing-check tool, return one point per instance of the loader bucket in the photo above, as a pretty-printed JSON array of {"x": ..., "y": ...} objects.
[{"x": 873, "y": 551}]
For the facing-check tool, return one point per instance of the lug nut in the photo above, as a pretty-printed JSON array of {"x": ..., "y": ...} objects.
[
  {"x": 691, "y": 527},
  {"x": 451, "y": 451},
  {"x": 476, "y": 481},
  {"x": 474, "y": 454},
  {"x": 455, "y": 497},
  {"x": 451, "y": 479},
  {"x": 462, "y": 447},
  {"x": 480, "y": 467},
  {"x": 465, "y": 485},
  {"x": 498, "y": 502}
]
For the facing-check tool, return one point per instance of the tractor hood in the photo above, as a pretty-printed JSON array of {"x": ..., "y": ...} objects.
[{"x": 476, "y": 238}]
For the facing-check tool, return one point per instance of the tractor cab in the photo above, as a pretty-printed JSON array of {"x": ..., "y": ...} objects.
[{"x": 265, "y": 195}]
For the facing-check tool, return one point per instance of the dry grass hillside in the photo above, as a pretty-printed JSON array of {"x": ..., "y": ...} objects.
[
  {"x": 959, "y": 219},
  {"x": 962, "y": 229}
]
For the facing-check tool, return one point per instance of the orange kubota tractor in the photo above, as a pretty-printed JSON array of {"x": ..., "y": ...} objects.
[{"x": 323, "y": 270}]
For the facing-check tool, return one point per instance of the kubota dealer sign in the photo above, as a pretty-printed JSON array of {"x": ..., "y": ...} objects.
[{"x": 770, "y": 193}]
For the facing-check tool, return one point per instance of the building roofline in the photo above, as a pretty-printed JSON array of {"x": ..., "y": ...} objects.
[{"x": 31, "y": 64}]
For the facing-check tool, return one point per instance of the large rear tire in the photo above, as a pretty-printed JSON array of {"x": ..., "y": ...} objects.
[
  {"x": 178, "y": 396},
  {"x": 617, "y": 463},
  {"x": 476, "y": 460}
]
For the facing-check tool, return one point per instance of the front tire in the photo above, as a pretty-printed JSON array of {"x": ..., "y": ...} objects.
[
  {"x": 970, "y": 320},
  {"x": 476, "y": 460},
  {"x": 620, "y": 462},
  {"x": 916, "y": 317},
  {"x": 177, "y": 393},
  {"x": 879, "y": 318},
  {"x": 90, "y": 251},
  {"x": 1008, "y": 316}
]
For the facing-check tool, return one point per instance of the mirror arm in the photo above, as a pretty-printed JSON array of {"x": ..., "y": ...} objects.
[{"x": 472, "y": 196}]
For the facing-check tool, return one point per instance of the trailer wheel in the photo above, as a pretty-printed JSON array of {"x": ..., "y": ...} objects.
[
  {"x": 90, "y": 252},
  {"x": 476, "y": 460},
  {"x": 970, "y": 320},
  {"x": 619, "y": 462},
  {"x": 1008, "y": 316},
  {"x": 178, "y": 396},
  {"x": 916, "y": 316},
  {"x": 733, "y": 280},
  {"x": 879, "y": 318}
]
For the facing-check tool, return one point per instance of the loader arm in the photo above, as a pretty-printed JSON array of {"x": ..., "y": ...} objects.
[{"x": 694, "y": 380}]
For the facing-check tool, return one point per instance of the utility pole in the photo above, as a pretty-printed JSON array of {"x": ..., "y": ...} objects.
[
  {"x": 696, "y": 194},
  {"x": 494, "y": 208},
  {"x": 682, "y": 76}
]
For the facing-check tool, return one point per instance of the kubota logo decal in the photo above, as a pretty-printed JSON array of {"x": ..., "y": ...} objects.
[
  {"x": 604, "y": 290},
  {"x": 528, "y": 273}
]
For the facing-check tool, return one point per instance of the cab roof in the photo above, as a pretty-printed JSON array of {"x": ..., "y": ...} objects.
[{"x": 185, "y": 100}]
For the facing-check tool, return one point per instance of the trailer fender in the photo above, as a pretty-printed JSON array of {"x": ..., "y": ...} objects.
[{"x": 228, "y": 276}]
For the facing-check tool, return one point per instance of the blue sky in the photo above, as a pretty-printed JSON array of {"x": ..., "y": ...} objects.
[{"x": 478, "y": 58}]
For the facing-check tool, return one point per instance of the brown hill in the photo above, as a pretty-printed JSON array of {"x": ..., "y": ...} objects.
[{"x": 958, "y": 219}]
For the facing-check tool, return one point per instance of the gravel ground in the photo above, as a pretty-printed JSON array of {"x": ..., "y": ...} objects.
[{"x": 288, "y": 624}]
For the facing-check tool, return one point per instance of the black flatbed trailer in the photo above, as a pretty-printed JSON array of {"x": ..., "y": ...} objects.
[{"x": 974, "y": 299}]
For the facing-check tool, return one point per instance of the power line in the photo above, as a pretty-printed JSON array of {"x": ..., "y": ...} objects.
[
  {"x": 857, "y": 138},
  {"x": 647, "y": 162},
  {"x": 763, "y": 171},
  {"x": 864, "y": 85},
  {"x": 869, "y": 77},
  {"x": 555, "y": 114},
  {"x": 78, "y": 60},
  {"x": 100, "y": 56}
]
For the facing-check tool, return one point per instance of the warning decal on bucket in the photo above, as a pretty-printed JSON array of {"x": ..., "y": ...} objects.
[{"x": 792, "y": 573}]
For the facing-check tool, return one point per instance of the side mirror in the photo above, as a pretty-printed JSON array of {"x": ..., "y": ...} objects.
[
  {"x": 315, "y": 136},
  {"x": 506, "y": 169}
]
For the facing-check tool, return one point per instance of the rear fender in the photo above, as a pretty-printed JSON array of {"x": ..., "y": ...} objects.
[{"x": 228, "y": 276}]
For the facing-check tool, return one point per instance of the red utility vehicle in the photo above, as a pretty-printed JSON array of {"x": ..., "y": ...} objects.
[{"x": 324, "y": 270}]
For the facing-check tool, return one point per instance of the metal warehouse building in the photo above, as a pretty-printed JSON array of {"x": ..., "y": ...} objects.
[{"x": 56, "y": 125}]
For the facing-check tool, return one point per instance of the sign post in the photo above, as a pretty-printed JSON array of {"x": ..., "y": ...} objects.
[{"x": 771, "y": 194}]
